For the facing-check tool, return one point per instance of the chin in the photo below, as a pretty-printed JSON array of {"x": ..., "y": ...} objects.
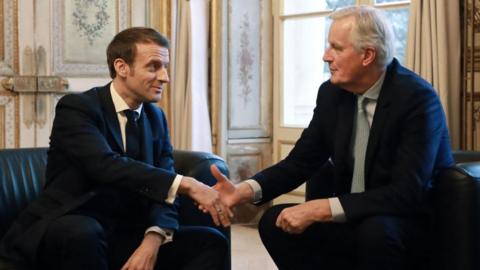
[{"x": 156, "y": 98}]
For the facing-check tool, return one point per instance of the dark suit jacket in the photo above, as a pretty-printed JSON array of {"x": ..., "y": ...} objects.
[
  {"x": 85, "y": 156},
  {"x": 408, "y": 144}
]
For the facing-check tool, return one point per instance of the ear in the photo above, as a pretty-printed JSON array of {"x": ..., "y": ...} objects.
[
  {"x": 369, "y": 56},
  {"x": 121, "y": 67}
]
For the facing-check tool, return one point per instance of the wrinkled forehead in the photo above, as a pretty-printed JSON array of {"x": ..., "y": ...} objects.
[{"x": 164, "y": 52}]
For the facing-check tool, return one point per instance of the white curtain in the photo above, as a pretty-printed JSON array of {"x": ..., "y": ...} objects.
[
  {"x": 434, "y": 51},
  {"x": 191, "y": 122}
]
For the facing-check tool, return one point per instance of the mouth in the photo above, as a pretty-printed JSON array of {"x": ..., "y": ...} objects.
[{"x": 158, "y": 90}]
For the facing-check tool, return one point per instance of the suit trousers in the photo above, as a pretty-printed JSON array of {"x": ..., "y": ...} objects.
[
  {"x": 377, "y": 242},
  {"x": 77, "y": 241}
]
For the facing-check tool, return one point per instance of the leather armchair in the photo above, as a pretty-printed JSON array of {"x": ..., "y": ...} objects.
[
  {"x": 22, "y": 174},
  {"x": 455, "y": 238}
]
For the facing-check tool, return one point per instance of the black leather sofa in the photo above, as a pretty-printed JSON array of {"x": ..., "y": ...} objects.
[
  {"x": 454, "y": 241},
  {"x": 22, "y": 176}
]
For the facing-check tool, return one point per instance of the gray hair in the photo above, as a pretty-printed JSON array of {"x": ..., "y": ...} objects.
[{"x": 371, "y": 30}]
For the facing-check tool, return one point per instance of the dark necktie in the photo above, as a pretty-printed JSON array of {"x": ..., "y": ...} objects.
[
  {"x": 360, "y": 147},
  {"x": 132, "y": 134}
]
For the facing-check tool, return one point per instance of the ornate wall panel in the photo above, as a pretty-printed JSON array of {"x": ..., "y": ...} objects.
[
  {"x": 470, "y": 106},
  {"x": 80, "y": 28},
  {"x": 244, "y": 160},
  {"x": 249, "y": 82}
]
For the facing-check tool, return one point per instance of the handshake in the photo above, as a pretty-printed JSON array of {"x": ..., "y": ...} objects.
[{"x": 217, "y": 200}]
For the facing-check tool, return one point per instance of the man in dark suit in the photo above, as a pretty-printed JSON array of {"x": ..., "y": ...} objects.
[
  {"x": 109, "y": 201},
  {"x": 383, "y": 128}
]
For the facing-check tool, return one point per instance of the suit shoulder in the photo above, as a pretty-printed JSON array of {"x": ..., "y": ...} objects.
[
  {"x": 408, "y": 80},
  {"x": 155, "y": 113},
  {"x": 86, "y": 98}
]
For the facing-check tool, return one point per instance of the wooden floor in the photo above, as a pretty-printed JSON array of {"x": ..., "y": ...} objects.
[{"x": 248, "y": 252}]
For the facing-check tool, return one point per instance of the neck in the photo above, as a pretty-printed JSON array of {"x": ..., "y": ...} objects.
[
  {"x": 366, "y": 81},
  {"x": 125, "y": 94}
]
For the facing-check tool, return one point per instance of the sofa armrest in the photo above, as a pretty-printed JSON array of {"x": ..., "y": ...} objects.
[
  {"x": 462, "y": 156},
  {"x": 197, "y": 165},
  {"x": 457, "y": 219}
]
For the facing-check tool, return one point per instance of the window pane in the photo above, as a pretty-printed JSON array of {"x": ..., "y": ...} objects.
[
  {"x": 303, "y": 68},
  {"x": 301, "y": 6},
  {"x": 399, "y": 20}
]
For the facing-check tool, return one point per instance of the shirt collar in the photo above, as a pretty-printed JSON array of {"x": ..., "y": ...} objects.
[
  {"x": 120, "y": 104},
  {"x": 374, "y": 91}
]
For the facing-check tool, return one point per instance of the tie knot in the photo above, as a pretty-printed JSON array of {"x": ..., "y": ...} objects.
[
  {"x": 131, "y": 115},
  {"x": 361, "y": 103}
]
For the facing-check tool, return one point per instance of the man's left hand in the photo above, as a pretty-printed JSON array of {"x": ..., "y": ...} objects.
[
  {"x": 145, "y": 256},
  {"x": 297, "y": 218}
]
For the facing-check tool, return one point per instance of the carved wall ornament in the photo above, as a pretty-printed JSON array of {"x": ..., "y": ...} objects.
[
  {"x": 28, "y": 67},
  {"x": 246, "y": 61},
  {"x": 90, "y": 17}
]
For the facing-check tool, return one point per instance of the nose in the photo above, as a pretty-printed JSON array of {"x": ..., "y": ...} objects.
[
  {"x": 327, "y": 56},
  {"x": 162, "y": 75}
]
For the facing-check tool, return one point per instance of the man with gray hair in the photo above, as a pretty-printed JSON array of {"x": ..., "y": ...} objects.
[{"x": 381, "y": 129}]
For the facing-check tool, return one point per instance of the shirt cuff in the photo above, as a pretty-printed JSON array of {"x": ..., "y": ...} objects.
[
  {"x": 256, "y": 188},
  {"x": 338, "y": 215},
  {"x": 172, "y": 192},
  {"x": 166, "y": 233}
]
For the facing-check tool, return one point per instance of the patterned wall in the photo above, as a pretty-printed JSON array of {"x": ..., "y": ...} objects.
[{"x": 470, "y": 106}]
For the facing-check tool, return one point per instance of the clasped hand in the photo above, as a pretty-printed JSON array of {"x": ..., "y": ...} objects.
[{"x": 208, "y": 201}]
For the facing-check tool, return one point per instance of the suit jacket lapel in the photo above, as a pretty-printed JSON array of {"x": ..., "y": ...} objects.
[
  {"x": 111, "y": 116},
  {"x": 379, "y": 119}
]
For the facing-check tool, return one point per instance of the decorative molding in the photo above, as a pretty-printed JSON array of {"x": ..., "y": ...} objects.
[
  {"x": 9, "y": 114},
  {"x": 9, "y": 39},
  {"x": 281, "y": 143}
]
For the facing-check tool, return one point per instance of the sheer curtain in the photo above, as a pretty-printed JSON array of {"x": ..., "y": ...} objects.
[
  {"x": 190, "y": 114},
  {"x": 434, "y": 52}
]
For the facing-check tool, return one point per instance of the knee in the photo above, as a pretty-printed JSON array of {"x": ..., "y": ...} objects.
[
  {"x": 219, "y": 241},
  {"x": 211, "y": 239},
  {"x": 379, "y": 235},
  {"x": 269, "y": 218},
  {"x": 81, "y": 231},
  {"x": 267, "y": 225}
]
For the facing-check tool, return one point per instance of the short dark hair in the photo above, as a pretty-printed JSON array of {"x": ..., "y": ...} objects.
[{"x": 124, "y": 45}]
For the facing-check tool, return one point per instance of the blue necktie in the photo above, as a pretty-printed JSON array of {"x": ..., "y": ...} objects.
[
  {"x": 360, "y": 147},
  {"x": 132, "y": 134}
]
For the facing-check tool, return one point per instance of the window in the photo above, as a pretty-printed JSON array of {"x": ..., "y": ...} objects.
[{"x": 303, "y": 30}]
